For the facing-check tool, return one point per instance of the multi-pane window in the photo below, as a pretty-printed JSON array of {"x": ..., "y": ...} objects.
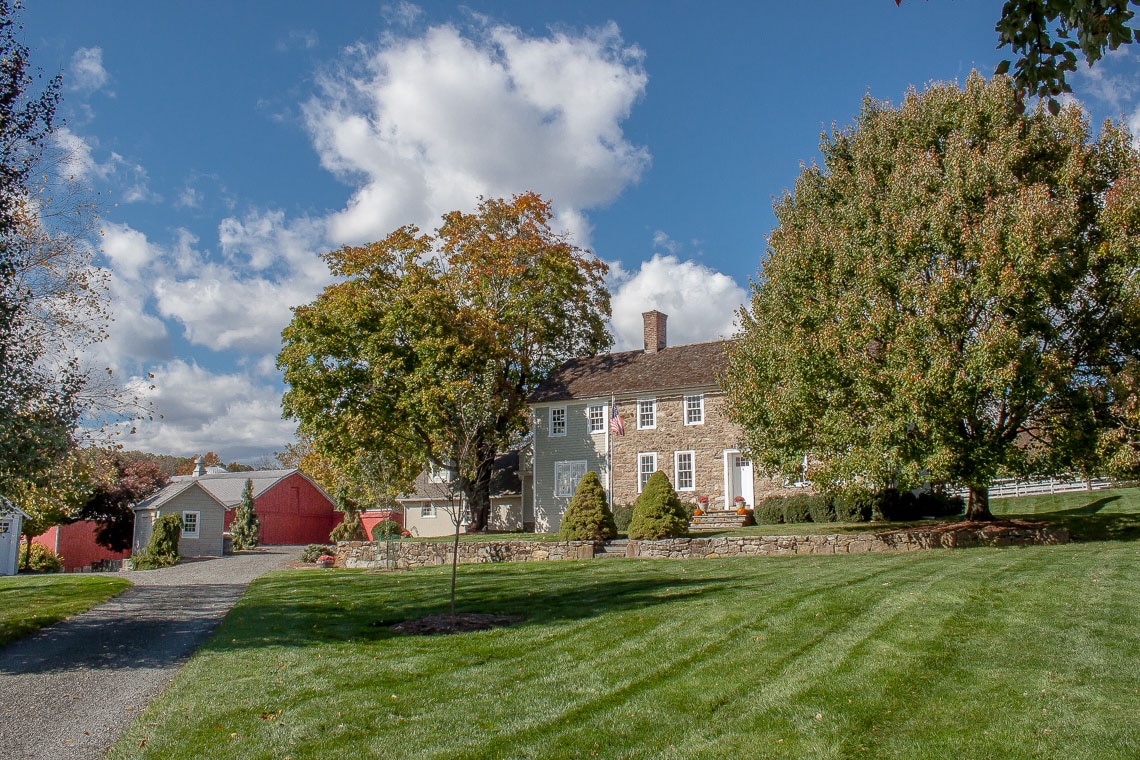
[
  {"x": 646, "y": 413},
  {"x": 683, "y": 471},
  {"x": 646, "y": 466},
  {"x": 427, "y": 510},
  {"x": 190, "y": 524},
  {"x": 558, "y": 420},
  {"x": 566, "y": 477},
  {"x": 596, "y": 413},
  {"x": 695, "y": 409}
]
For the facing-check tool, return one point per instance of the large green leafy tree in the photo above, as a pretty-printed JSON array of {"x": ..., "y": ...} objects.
[
  {"x": 1048, "y": 35},
  {"x": 385, "y": 365},
  {"x": 946, "y": 297}
]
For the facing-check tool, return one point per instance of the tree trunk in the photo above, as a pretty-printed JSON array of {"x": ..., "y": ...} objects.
[
  {"x": 978, "y": 505},
  {"x": 479, "y": 494}
]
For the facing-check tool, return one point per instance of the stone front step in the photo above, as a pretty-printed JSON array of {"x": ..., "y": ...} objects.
[
  {"x": 612, "y": 548},
  {"x": 720, "y": 520}
]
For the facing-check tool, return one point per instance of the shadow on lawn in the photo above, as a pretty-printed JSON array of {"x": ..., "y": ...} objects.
[
  {"x": 272, "y": 621},
  {"x": 1090, "y": 523}
]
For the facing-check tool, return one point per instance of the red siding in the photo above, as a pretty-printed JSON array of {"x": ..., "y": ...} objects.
[
  {"x": 370, "y": 517},
  {"x": 292, "y": 512},
  {"x": 76, "y": 544}
]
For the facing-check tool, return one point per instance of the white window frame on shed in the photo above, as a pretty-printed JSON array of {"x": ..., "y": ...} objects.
[
  {"x": 596, "y": 418},
  {"x": 691, "y": 471},
  {"x": 187, "y": 533},
  {"x": 427, "y": 511},
  {"x": 568, "y": 473},
  {"x": 646, "y": 414},
  {"x": 695, "y": 409},
  {"x": 557, "y": 421},
  {"x": 645, "y": 458}
]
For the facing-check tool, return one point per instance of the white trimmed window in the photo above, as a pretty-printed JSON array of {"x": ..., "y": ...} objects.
[
  {"x": 646, "y": 466},
  {"x": 190, "y": 522},
  {"x": 427, "y": 510},
  {"x": 596, "y": 414},
  {"x": 695, "y": 409},
  {"x": 646, "y": 413},
  {"x": 557, "y": 420},
  {"x": 683, "y": 475},
  {"x": 567, "y": 474}
]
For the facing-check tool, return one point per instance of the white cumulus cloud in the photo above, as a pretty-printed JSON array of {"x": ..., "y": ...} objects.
[
  {"x": 701, "y": 303},
  {"x": 234, "y": 413},
  {"x": 86, "y": 72},
  {"x": 424, "y": 125}
]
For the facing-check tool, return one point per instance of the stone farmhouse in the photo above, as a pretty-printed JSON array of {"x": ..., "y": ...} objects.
[{"x": 627, "y": 415}]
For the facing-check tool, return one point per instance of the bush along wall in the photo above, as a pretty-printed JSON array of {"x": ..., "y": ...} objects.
[{"x": 856, "y": 505}]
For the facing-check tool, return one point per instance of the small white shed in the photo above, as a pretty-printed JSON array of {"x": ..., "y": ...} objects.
[{"x": 11, "y": 521}]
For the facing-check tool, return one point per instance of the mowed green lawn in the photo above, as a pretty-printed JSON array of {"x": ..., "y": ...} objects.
[
  {"x": 30, "y": 602},
  {"x": 982, "y": 653}
]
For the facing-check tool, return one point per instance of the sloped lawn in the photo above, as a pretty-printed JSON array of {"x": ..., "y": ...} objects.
[
  {"x": 1001, "y": 653},
  {"x": 30, "y": 602}
]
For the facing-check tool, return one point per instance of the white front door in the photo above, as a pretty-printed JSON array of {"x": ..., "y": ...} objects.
[{"x": 739, "y": 479}]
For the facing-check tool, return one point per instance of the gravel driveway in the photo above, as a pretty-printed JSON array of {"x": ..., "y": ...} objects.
[{"x": 70, "y": 690}]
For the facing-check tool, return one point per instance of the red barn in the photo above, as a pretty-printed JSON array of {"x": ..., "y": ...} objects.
[
  {"x": 75, "y": 544},
  {"x": 291, "y": 507}
]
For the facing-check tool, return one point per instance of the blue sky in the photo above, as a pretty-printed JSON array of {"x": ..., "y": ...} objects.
[{"x": 235, "y": 142}]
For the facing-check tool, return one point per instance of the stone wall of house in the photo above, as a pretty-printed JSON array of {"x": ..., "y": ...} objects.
[
  {"x": 410, "y": 554},
  {"x": 708, "y": 442}
]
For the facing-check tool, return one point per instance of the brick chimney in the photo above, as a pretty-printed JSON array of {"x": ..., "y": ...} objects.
[{"x": 654, "y": 331}]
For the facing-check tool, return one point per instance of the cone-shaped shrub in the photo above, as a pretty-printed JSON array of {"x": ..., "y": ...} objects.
[
  {"x": 588, "y": 518},
  {"x": 245, "y": 530},
  {"x": 658, "y": 513}
]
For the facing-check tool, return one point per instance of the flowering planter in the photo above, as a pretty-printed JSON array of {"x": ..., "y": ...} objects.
[{"x": 325, "y": 561}]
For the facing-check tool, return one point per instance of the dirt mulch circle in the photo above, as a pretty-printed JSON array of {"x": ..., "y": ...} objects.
[
  {"x": 987, "y": 527},
  {"x": 461, "y": 622}
]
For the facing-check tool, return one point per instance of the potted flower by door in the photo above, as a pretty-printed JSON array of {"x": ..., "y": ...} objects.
[
  {"x": 741, "y": 507},
  {"x": 702, "y": 503}
]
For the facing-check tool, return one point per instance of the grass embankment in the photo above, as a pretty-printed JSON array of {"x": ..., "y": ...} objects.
[
  {"x": 1011, "y": 653},
  {"x": 30, "y": 602}
]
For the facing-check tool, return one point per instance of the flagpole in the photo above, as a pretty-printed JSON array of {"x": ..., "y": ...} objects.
[{"x": 609, "y": 455}]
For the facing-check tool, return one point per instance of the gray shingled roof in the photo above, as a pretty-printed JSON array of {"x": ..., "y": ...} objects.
[
  {"x": 172, "y": 490},
  {"x": 688, "y": 366},
  {"x": 225, "y": 487}
]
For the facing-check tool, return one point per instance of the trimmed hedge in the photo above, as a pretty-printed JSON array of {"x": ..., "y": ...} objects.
[
  {"x": 588, "y": 517},
  {"x": 856, "y": 505},
  {"x": 623, "y": 516}
]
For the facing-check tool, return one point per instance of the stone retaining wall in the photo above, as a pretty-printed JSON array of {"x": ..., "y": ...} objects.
[{"x": 409, "y": 554}]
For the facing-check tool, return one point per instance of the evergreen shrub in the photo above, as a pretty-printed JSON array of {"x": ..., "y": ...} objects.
[
  {"x": 349, "y": 529},
  {"x": 385, "y": 530},
  {"x": 40, "y": 559},
  {"x": 312, "y": 551},
  {"x": 797, "y": 508},
  {"x": 588, "y": 517},
  {"x": 821, "y": 508},
  {"x": 245, "y": 530},
  {"x": 853, "y": 505},
  {"x": 623, "y": 516},
  {"x": 658, "y": 513},
  {"x": 769, "y": 510},
  {"x": 162, "y": 549}
]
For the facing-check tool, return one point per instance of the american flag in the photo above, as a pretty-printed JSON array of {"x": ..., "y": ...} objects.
[{"x": 615, "y": 419}]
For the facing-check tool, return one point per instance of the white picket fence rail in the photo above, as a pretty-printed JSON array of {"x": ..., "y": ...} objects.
[{"x": 1010, "y": 487}]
